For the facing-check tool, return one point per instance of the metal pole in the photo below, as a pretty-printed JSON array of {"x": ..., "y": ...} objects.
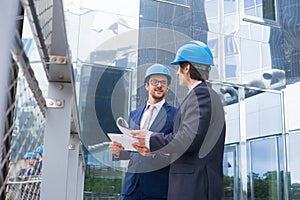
[
  {"x": 80, "y": 179},
  {"x": 243, "y": 145}
]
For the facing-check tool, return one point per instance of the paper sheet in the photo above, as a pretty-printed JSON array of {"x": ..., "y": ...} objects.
[
  {"x": 125, "y": 140},
  {"x": 123, "y": 126}
]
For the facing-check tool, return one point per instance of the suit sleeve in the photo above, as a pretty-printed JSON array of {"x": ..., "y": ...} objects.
[
  {"x": 192, "y": 124},
  {"x": 124, "y": 155}
]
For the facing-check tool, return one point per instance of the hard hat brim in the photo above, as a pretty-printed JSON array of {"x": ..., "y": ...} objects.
[
  {"x": 174, "y": 63},
  {"x": 177, "y": 60}
]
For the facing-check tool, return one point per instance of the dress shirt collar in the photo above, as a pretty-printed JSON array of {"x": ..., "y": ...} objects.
[
  {"x": 157, "y": 105},
  {"x": 194, "y": 85}
]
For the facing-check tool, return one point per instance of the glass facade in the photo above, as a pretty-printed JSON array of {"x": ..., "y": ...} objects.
[
  {"x": 265, "y": 168},
  {"x": 257, "y": 71}
]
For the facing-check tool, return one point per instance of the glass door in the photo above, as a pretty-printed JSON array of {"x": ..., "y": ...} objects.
[{"x": 230, "y": 170}]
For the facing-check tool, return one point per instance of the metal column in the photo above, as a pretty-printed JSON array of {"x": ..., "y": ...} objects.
[
  {"x": 57, "y": 136},
  {"x": 62, "y": 162},
  {"x": 73, "y": 167},
  {"x": 243, "y": 146}
]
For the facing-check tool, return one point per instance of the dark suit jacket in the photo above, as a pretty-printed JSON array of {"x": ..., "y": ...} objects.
[
  {"x": 196, "y": 146},
  {"x": 151, "y": 174}
]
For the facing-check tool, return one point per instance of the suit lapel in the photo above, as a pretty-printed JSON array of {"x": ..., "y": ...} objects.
[
  {"x": 135, "y": 121},
  {"x": 140, "y": 114}
]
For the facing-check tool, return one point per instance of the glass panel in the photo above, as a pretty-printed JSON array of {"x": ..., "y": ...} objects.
[
  {"x": 269, "y": 10},
  {"x": 229, "y": 96},
  {"x": 230, "y": 45},
  {"x": 104, "y": 95},
  {"x": 293, "y": 172},
  {"x": 292, "y": 106},
  {"x": 229, "y": 7},
  {"x": 250, "y": 11},
  {"x": 103, "y": 28},
  {"x": 248, "y": 3},
  {"x": 212, "y": 15},
  {"x": 264, "y": 171},
  {"x": 260, "y": 9},
  {"x": 230, "y": 171},
  {"x": 263, "y": 113},
  {"x": 230, "y": 71}
]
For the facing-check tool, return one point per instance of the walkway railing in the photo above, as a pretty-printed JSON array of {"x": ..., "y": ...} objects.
[
  {"x": 33, "y": 118},
  {"x": 25, "y": 188}
]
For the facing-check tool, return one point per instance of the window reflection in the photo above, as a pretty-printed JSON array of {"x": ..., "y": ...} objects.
[
  {"x": 265, "y": 174},
  {"x": 230, "y": 45},
  {"x": 293, "y": 167},
  {"x": 263, "y": 113},
  {"x": 229, "y": 6},
  {"x": 104, "y": 96},
  {"x": 261, "y": 9},
  {"x": 230, "y": 173}
]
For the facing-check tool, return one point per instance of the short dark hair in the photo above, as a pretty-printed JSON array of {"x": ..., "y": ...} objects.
[{"x": 196, "y": 73}]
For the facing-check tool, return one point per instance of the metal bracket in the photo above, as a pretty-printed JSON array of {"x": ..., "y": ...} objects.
[
  {"x": 60, "y": 60},
  {"x": 55, "y": 103},
  {"x": 71, "y": 146}
]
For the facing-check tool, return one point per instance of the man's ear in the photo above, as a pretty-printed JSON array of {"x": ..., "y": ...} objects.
[
  {"x": 147, "y": 86},
  {"x": 187, "y": 68}
]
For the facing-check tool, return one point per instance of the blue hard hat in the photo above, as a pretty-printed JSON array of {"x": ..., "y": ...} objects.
[
  {"x": 30, "y": 155},
  {"x": 194, "y": 51},
  {"x": 40, "y": 150},
  {"x": 158, "y": 69}
]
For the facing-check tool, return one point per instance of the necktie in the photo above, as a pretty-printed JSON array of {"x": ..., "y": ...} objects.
[{"x": 150, "y": 110}]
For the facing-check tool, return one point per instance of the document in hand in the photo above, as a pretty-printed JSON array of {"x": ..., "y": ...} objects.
[
  {"x": 123, "y": 126},
  {"x": 125, "y": 140}
]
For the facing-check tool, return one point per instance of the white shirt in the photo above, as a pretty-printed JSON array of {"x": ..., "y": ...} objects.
[
  {"x": 155, "y": 112},
  {"x": 194, "y": 85}
]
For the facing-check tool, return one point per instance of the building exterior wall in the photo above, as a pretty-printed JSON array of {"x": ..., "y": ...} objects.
[{"x": 255, "y": 45}]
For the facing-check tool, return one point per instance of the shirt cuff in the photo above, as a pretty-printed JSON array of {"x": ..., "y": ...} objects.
[{"x": 147, "y": 139}]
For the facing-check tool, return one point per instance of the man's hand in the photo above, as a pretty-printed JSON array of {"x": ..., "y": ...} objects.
[
  {"x": 139, "y": 134},
  {"x": 142, "y": 149},
  {"x": 140, "y": 145},
  {"x": 115, "y": 148}
]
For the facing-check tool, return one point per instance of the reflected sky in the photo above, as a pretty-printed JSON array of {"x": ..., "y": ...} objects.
[{"x": 263, "y": 156}]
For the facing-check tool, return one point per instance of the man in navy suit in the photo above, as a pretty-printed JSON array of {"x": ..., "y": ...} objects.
[
  {"x": 196, "y": 144},
  {"x": 147, "y": 177}
]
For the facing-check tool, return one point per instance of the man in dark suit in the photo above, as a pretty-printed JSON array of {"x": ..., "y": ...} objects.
[
  {"x": 38, "y": 165},
  {"x": 196, "y": 144},
  {"x": 147, "y": 177}
]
